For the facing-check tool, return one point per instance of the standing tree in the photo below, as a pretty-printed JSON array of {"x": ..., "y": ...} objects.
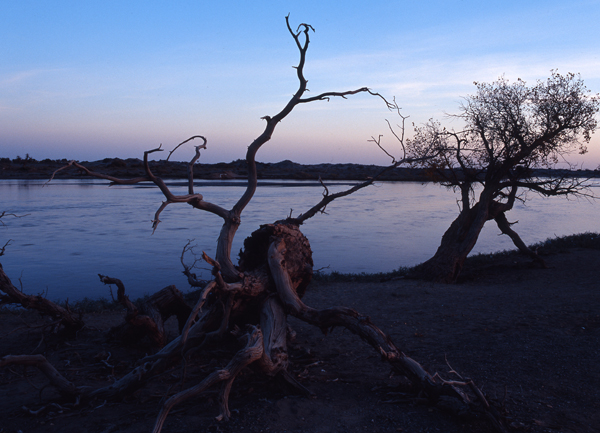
[{"x": 509, "y": 129}]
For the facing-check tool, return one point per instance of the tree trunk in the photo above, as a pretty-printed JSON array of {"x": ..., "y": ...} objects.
[
  {"x": 457, "y": 243},
  {"x": 459, "y": 240},
  {"x": 505, "y": 228},
  {"x": 276, "y": 265}
]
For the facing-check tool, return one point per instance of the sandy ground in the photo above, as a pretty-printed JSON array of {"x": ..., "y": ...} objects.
[{"x": 529, "y": 337}]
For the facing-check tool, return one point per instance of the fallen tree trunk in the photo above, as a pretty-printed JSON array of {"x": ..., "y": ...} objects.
[{"x": 357, "y": 324}]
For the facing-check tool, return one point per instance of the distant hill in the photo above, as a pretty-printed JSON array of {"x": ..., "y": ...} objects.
[{"x": 28, "y": 168}]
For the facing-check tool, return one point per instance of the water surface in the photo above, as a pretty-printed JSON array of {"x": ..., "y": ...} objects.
[{"x": 76, "y": 229}]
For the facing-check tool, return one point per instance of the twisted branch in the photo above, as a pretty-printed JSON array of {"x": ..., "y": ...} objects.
[{"x": 252, "y": 352}]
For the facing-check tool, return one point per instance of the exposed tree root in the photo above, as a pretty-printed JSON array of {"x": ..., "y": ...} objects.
[
  {"x": 252, "y": 352},
  {"x": 149, "y": 320},
  {"x": 64, "y": 316},
  {"x": 260, "y": 303},
  {"x": 432, "y": 386}
]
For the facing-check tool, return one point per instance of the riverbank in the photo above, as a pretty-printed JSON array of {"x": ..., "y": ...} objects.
[
  {"x": 527, "y": 336},
  {"x": 27, "y": 168}
]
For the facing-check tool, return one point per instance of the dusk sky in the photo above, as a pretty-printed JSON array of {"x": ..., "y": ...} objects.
[{"x": 87, "y": 80}]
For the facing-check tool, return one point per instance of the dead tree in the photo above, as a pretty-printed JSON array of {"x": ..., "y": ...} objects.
[{"x": 251, "y": 301}]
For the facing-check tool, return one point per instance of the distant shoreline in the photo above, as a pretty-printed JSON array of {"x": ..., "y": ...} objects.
[{"x": 128, "y": 168}]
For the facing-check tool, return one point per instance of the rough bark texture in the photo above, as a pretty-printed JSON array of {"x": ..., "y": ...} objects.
[
  {"x": 460, "y": 239},
  {"x": 457, "y": 242},
  {"x": 277, "y": 267},
  {"x": 298, "y": 255}
]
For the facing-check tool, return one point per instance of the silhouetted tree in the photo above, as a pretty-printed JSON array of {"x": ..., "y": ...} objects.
[{"x": 510, "y": 129}]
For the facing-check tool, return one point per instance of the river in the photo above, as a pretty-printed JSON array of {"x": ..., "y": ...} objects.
[{"x": 71, "y": 230}]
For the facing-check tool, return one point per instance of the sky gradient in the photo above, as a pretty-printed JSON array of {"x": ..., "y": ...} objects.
[{"x": 88, "y": 80}]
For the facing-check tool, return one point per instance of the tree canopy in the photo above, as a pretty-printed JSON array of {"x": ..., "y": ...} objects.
[{"x": 508, "y": 130}]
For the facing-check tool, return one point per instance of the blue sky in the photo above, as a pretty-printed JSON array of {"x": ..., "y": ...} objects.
[{"x": 88, "y": 79}]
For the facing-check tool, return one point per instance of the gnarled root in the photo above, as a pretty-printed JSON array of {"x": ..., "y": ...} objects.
[
  {"x": 149, "y": 320},
  {"x": 252, "y": 352},
  {"x": 260, "y": 303},
  {"x": 431, "y": 386}
]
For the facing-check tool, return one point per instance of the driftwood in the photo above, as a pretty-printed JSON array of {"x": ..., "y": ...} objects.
[
  {"x": 148, "y": 321},
  {"x": 63, "y": 315}
]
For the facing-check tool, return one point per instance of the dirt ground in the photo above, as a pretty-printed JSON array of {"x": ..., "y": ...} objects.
[{"x": 529, "y": 337}]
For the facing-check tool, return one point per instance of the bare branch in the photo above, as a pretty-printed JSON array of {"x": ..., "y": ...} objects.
[
  {"x": 4, "y": 213},
  {"x": 64, "y": 315},
  {"x": 191, "y": 167},
  {"x": 252, "y": 352},
  {"x": 42, "y": 364},
  {"x": 192, "y": 318},
  {"x": 114, "y": 180},
  {"x": 121, "y": 296},
  {"x": 187, "y": 270},
  {"x": 377, "y": 141},
  {"x": 156, "y": 221},
  {"x": 203, "y": 146},
  {"x": 328, "y": 198},
  {"x": 3, "y": 249},
  {"x": 216, "y": 271},
  {"x": 563, "y": 186}
]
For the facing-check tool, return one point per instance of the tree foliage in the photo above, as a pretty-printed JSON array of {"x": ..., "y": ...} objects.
[{"x": 510, "y": 129}]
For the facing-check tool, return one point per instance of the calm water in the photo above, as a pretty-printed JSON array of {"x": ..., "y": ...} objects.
[{"x": 77, "y": 229}]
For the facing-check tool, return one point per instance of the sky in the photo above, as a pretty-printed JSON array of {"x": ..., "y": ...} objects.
[{"x": 87, "y": 80}]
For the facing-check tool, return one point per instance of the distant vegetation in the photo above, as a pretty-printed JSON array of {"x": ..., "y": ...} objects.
[{"x": 30, "y": 168}]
